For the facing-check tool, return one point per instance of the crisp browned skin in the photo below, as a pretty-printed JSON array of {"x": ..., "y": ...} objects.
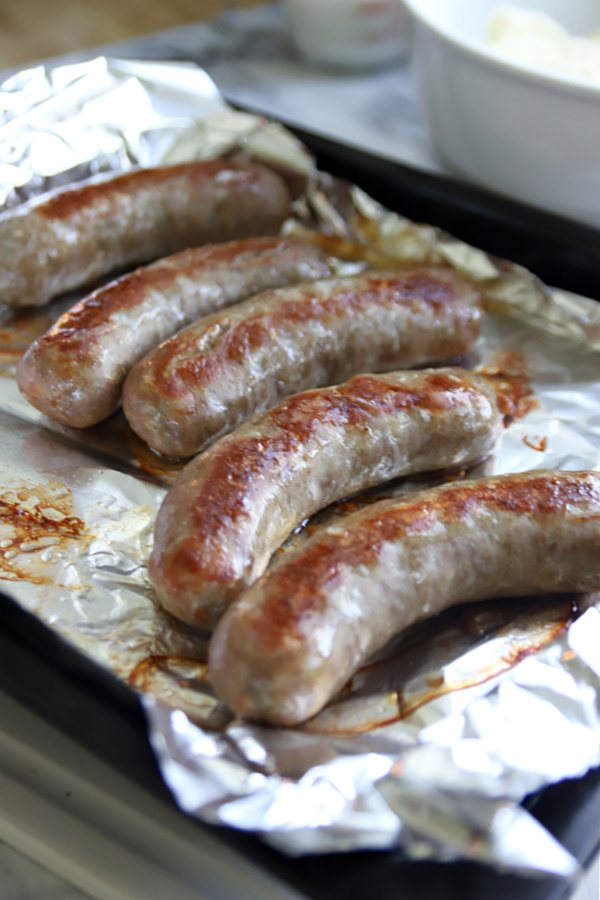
[
  {"x": 235, "y": 504},
  {"x": 211, "y": 376},
  {"x": 65, "y": 239},
  {"x": 75, "y": 371},
  {"x": 308, "y": 624}
]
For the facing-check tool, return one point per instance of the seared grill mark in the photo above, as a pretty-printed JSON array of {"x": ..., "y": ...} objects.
[
  {"x": 72, "y": 201},
  {"x": 96, "y": 309},
  {"x": 373, "y": 425},
  {"x": 196, "y": 358},
  {"x": 300, "y": 590},
  {"x": 70, "y": 237},
  {"x": 295, "y": 421},
  {"x": 128, "y": 291},
  {"x": 75, "y": 371}
]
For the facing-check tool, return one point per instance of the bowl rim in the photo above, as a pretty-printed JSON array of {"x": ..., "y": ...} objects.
[{"x": 528, "y": 71}]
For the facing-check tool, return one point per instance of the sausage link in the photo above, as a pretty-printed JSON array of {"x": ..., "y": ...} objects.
[
  {"x": 300, "y": 631},
  {"x": 75, "y": 371},
  {"x": 65, "y": 239},
  {"x": 211, "y": 376},
  {"x": 235, "y": 504}
]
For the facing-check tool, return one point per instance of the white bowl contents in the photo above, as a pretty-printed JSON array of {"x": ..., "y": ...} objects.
[
  {"x": 536, "y": 38},
  {"x": 513, "y": 125},
  {"x": 348, "y": 34}
]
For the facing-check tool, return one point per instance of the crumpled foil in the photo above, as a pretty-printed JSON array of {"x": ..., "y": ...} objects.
[{"x": 432, "y": 747}]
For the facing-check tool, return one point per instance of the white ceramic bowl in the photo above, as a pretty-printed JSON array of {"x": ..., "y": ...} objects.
[{"x": 517, "y": 129}]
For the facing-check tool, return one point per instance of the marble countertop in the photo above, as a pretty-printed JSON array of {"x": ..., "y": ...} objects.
[{"x": 249, "y": 56}]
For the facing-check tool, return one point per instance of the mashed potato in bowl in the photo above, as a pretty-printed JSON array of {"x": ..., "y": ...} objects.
[{"x": 535, "y": 38}]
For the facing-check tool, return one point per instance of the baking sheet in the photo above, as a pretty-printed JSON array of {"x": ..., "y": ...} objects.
[{"x": 406, "y": 763}]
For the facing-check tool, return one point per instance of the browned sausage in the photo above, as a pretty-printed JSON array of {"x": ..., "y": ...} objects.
[
  {"x": 300, "y": 631},
  {"x": 74, "y": 372},
  {"x": 213, "y": 375},
  {"x": 235, "y": 504},
  {"x": 65, "y": 239}
]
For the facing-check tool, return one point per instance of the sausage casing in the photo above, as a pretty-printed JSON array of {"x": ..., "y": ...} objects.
[
  {"x": 298, "y": 634},
  {"x": 236, "y": 503},
  {"x": 67, "y": 238},
  {"x": 75, "y": 371},
  {"x": 211, "y": 376}
]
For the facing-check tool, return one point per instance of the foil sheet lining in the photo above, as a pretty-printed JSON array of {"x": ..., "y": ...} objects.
[{"x": 432, "y": 748}]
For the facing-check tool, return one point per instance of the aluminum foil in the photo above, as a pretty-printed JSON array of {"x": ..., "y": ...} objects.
[{"x": 433, "y": 746}]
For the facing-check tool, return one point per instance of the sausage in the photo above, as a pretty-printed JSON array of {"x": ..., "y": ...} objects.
[
  {"x": 235, "y": 504},
  {"x": 296, "y": 636},
  {"x": 65, "y": 239},
  {"x": 211, "y": 376},
  {"x": 75, "y": 371}
]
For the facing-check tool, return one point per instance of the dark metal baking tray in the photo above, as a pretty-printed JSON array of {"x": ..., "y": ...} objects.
[{"x": 103, "y": 714}]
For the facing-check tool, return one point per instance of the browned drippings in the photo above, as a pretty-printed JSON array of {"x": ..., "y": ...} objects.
[
  {"x": 147, "y": 460},
  {"x": 18, "y": 331},
  {"x": 537, "y": 443},
  {"x": 510, "y": 363},
  {"x": 115, "y": 437},
  {"x": 182, "y": 683},
  {"x": 509, "y": 378},
  {"x": 144, "y": 674},
  {"x": 411, "y": 673},
  {"x": 35, "y": 518},
  {"x": 514, "y": 655}
]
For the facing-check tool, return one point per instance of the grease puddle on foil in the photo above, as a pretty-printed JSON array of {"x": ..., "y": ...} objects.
[{"x": 37, "y": 523}]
